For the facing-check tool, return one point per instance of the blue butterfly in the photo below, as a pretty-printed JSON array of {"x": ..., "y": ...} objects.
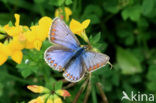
[{"x": 67, "y": 55}]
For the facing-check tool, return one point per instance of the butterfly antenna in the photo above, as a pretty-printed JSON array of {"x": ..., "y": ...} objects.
[{"x": 110, "y": 64}]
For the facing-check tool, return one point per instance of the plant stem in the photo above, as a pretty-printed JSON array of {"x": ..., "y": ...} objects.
[
  {"x": 88, "y": 92},
  {"x": 69, "y": 85},
  {"x": 80, "y": 91},
  {"x": 104, "y": 98}
]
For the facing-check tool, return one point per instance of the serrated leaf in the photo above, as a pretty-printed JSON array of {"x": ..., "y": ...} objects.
[{"x": 128, "y": 63}]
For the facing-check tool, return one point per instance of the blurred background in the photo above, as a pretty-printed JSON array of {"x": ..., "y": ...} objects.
[{"x": 123, "y": 29}]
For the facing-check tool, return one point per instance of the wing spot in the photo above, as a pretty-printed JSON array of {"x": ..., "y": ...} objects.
[
  {"x": 67, "y": 75},
  {"x": 97, "y": 65},
  {"x": 94, "y": 67},
  {"x": 71, "y": 76},
  {"x": 90, "y": 68},
  {"x": 54, "y": 26},
  {"x": 52, "y": 38},
  {"x": 52, "y": 33},
  {"x": 53, "y": 29},
  {"x": 49, "y": 58},
  {"x": 52, "y": 61},
  {"x": 55, "y": 64}
]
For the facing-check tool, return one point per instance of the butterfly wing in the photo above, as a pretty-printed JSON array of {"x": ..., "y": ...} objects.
[
  {"x": 62, "y": 35},
  {"x": 75, "y": 70},
  {"x": 94, "y": 60},
  {"x": 57, "y": 57}
]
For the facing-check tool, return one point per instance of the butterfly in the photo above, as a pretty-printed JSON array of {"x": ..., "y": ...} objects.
[{"x": 69, "y": 56}]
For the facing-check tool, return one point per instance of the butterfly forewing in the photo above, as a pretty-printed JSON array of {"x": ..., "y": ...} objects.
[
  {"x": 94, "y": 60},
  {"x": 62, "y": 35}
]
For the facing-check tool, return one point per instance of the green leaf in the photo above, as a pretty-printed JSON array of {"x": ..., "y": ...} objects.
[
  {"x": 68, "y": 2},
  {"x": 2, "y": 36},
  {"x": 132, "y": 12},
  {"x": 147, "y": 6},
  {"x": 39, "y": 1},
  {"x": 91, "y": 13},
  {"x": 151, "y": 78},
  {"x": 58, "y": 85},
  {"x": 94, "y": 97},
  {"x": 96, "y": 38},
  {"x": 128, "y": 62},
  {"x": 56, "y": 2},
  {"x": 111, "y": 6},
  {"x": 10, "y": 24}
]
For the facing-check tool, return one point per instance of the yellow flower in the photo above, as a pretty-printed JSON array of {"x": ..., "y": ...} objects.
[
  {"x": 15, "y": 47},
  {"x": 54, "y": 99},
  {"x": 38, "y": 33},
  {"x": 22, "y": 37},
  {"x": 79, "y": 28},
  {"x": 67, "y": 12},
  {"x": 4, "y": 53},
  {"x": 40, "y": 99},
  {"x": 63, "y": 93},
  {"x": 15, "y": 30},
  {"x": 12, "y": 49},
  {"x": 38, "y": 89},
  {"x": 51, "y": 96}
]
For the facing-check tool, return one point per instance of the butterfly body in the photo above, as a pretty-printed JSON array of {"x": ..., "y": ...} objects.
[
  {"x": 67, "y": 55},
  {"x": 79, "y": 51}
]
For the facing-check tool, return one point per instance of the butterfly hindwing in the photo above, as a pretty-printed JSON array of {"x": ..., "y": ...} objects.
[
  {"x": 62, "y": 35},
  {"x": 94, "y": 60},
  {"x": 75, "y": 70},
  {"x": 57, "y": 57}
]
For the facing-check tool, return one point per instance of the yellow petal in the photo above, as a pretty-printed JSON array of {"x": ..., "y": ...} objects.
[
  {"x": 86, "y": 23},
  {"x": 44, "y": 26},
  {"x": 40, "y": 99},
  {"x": 56, "y": 99},
  {"x": 50, "y": 99},
  {"x": 3, "y": 59},
  {"x": 38, "y": 89},
  {"x": 17, "y": 56},
  {"x": 68, "y": 12},
  {"x": 63, "y": 93},
  {"x": 45, "y": 20},
  {"x": 38, "y": 45},
  {"x": 75, "y": 26},
  {"x": 57, "y": 13},
  {"x": 4, "y": 50},
  {"x": 17, "y": 17}
]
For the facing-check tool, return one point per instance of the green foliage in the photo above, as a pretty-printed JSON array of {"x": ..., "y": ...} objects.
[
  {"x": 128, "y": 62},
  {"x": 122, "y": 29}
]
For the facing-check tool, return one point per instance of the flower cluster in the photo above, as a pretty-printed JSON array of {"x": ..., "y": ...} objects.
[
  {"x": 19, "y": 37},
  {"x": 48, "y": 95}
]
